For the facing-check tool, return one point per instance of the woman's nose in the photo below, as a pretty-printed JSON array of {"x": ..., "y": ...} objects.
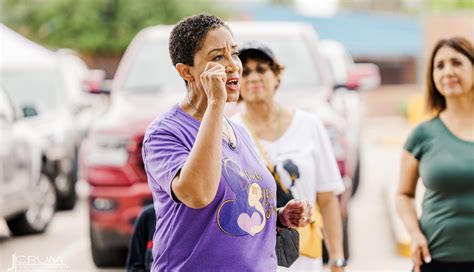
[
  {"x": 253, "y": 75},
  {"x": 448, "y": 70},
  {"x": 232, "y": 66}
]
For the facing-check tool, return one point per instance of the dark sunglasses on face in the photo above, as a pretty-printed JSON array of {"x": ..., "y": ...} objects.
[{"x": 260, "y": 70}]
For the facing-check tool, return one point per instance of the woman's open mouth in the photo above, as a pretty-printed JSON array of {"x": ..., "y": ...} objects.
[{"x": 233, "y": 84}]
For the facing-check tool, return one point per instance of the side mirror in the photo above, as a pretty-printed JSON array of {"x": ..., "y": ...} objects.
[
  {"x": 363, "y": 76},
  {"x": 29, "y": 111},
  {"x": 343, "y": 86},
  {"x": 95, "y": 82}
]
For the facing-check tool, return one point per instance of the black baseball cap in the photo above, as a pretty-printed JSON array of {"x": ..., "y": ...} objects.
[{"x": 256, "y": 47}]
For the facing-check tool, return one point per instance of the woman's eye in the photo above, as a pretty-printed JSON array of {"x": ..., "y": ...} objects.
[
  {"x": 218, "y": 58},
  {"x": 456, "y": 63},
  {"x": 236, "y": 53},
  {"x": 440, "y": 66},
  {"x": 261, "y": 70}
]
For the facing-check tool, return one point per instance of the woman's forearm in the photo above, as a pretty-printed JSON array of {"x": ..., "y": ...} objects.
[
  {"x": 197, "y": 184},
  {"x": 405, "y": 203},
  {"x": 330, "y": 211},
  {"x": 407, "y": 211}
]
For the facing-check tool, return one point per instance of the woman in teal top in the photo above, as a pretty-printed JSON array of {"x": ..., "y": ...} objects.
[{"x": 441, "y": 152}]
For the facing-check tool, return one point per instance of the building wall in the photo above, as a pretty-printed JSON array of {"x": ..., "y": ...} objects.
[
  {"x": 394, "y": 70},
  {"x": 411, "y": 70},
  {"x": 446, "y": 25}
]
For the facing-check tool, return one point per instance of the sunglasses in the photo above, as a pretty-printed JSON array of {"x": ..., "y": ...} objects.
[{"x": 260, "y": 70}]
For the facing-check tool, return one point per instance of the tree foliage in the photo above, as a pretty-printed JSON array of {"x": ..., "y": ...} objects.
[
  {"x": 440, "y": 5},
  {"x": 95, "y": 26},
  {"x": 283, "y": 2},
  {"x": 410, "y": 6}
]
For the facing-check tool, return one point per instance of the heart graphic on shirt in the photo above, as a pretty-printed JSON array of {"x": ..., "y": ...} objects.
[{"x": 246, "y": 222}]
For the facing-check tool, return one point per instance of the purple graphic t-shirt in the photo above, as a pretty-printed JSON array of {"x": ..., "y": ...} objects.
[{"x": 237, "y": 230}]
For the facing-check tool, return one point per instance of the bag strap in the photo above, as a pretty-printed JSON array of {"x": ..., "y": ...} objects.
[
  {"x": 264, "y": 154},
  {"x": 315, "y": 218}
]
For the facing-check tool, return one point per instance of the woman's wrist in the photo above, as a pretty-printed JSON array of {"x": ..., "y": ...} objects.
[
  {"x": 415, "y": 231},
  {"x": 216, "y": 102},
  {"x": 215, "y": 108}
]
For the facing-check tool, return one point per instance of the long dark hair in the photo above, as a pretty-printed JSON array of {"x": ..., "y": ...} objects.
[{"x": 435, "y": 101}]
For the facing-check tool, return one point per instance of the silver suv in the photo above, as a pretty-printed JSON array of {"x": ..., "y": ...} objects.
[
  {"x": 27, "y": 196},
  {"x": 45, "y": 88}
]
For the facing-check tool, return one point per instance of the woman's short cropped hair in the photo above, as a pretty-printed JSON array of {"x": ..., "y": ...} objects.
[{"x": 187, "y": 36}]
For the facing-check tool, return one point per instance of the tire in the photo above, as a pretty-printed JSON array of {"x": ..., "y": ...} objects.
[
  {"x": 38, "y": 216},
  {"x": 67, "y": 201},
  {"x": 104, "y": 256}
]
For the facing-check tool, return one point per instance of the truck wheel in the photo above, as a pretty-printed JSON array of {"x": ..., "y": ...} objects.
[
  {"x": 106, "y": 257},
  {"x": 40, "y": 213},
  {"x": 67, "y": 200}
]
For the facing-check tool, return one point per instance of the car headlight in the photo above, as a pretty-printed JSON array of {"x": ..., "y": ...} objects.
[
  {"x": 107, "y": 151},
  {"x": 104, "y": 204}
]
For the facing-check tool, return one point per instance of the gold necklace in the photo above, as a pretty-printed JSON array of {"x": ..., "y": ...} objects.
[
  {"x": 192, "y": 105},
  {"x": 232, "y": 145}
]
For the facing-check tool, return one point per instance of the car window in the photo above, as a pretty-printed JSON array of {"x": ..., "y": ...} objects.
[
  {"x": 152, "y": 70},
  {"x": 340, "y": 61},
  {"x": 338, "y": 68},
  {"x": 74, "y": 71},
  {"x": 38, "y": 88}
]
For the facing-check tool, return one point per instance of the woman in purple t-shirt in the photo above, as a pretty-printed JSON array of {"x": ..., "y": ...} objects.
[{"x": 214, "y": 198}]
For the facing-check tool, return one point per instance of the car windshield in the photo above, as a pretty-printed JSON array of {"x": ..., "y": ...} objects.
[
  {"x": 38, "y": 88},
  {"x": 339, "y": 62},
  {"x": 151, "y": 69}
]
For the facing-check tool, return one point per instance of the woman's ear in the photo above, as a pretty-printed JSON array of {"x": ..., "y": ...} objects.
[
  {"x": 278, "y": 83},
  {"x": 185, "y": 72}
]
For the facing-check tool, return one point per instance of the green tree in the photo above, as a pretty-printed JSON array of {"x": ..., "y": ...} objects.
[
  {"x": 283, "y": 2},
  {"x": 442, "y": 5},
  {"x": 94, "y": 26}
]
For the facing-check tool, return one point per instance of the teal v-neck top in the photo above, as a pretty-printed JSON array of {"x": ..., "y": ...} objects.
[{"x": 446, "y": 166}]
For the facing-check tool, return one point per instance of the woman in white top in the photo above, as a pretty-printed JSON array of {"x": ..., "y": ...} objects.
[{"x": 296, "y": 143}]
